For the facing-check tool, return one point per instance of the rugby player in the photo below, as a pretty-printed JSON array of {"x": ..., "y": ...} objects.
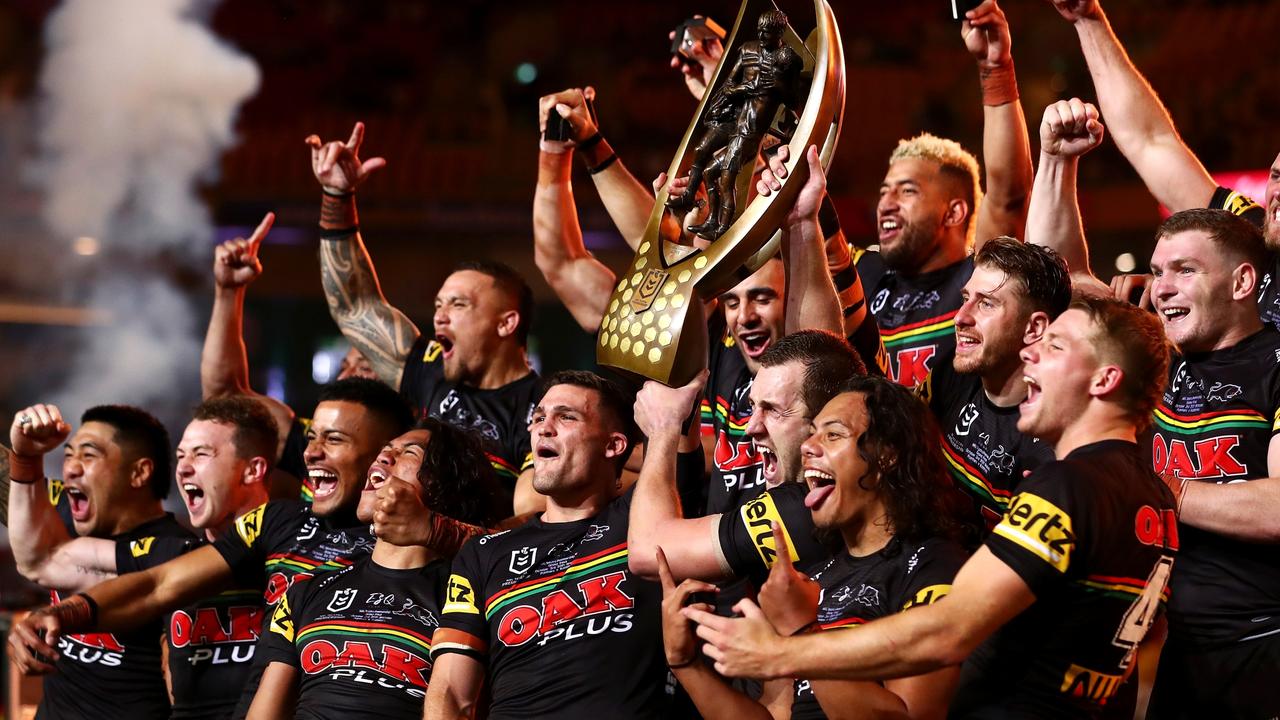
[
  {"x": 1215, "y": 427},
  {"x": 223, "y": 460},
  {"x": 272, "y": 545},
  {"x": 1068, "y": 583},
  {"x": 1015, "y": 291},
  {"x": 874, "y": 482},
  {"x": 115, "y": 473},
  {"x": 473, "y": 372},
  {"x": 547, "y": 617},
  {"x": 356, "y": 642}
]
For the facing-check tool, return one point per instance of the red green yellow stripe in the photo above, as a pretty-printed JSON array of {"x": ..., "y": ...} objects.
[
  {"x": 607, "y": 558},
  {"x": 355, "y": 628},
  {"x": 299, "y": 563},
  {"x": 1121, "y": 587},
  {"x": 847, "y": 622},
  {"x": 973, "y": 479},
  {"x": 1243, "y": 419},
  {"x": 735, "y": 425},
  {"x": 923, "y": 330}
]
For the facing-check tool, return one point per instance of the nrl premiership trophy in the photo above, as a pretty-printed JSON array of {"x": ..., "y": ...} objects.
[{"x": 769, "y": 84}]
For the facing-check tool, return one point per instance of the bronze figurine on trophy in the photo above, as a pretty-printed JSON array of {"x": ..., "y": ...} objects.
[{"x": 769, "y": 86}]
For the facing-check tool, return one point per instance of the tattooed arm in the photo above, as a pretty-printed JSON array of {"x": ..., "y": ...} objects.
[{"x": 378, "y": 330}]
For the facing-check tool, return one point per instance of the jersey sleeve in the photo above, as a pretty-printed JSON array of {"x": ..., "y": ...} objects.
[
  {"x": 746, "y": 536},
  {"x": 280, "y": 643},
  {"x": 421, "y": 372},
  {"x": 930, "y": 571},
  {"x": 142, "y": 553},
  {"x": 1238, "y": 204},
  {"x": 937, "y": 387},
  {"x": 1040, "y": 534},
  {"x": 245, "y": 547},
  {"x": 463, "y": 626}
]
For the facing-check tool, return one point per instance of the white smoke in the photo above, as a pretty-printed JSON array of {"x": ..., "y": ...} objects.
[{"x": 138, "y": 103}]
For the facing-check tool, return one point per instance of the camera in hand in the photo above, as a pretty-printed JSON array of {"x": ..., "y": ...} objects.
[{"x": 694, "y": 32}]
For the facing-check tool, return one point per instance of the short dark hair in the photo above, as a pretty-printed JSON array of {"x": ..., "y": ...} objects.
[
  {"x": 902, "y": 448},
  {"x": 828, "y": 361},
  {"x": 1241, "y": 239},
  {"x": 255, "y": 432},
  {"x": 377, "y": 397},
  {"x": 140, "y": 435},
  {"x": 774, "y": 19},
  {"x": 617, "y": 404},
  {"x": 508, "y": 281},
  {"x": 1133, "y": 339},
  {"x": 1042, "y": 273},
  {"x": 457, "y": 479}
]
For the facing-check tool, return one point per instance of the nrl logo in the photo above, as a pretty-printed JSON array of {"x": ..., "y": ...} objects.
[
  {"x": 342, "y": 599},
  {"x": 522, "y": 560}
]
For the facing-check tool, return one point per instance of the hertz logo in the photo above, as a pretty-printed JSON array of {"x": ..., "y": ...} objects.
[
  {"x": 141, "y": 547},
  {"x": 927, "y": 596},
  {"x": 1041, "y": 528},
  {"x": 249, "y": 525},
  {"x": 282, "y": 619},
  {"x": 459, "y": 597},
  {"x": 759, "y": 516}
]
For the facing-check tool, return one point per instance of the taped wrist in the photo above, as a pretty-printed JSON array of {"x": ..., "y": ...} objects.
[
  {"x": 999, "y": 85},
  {"x": 338, "y": 211},
  {"x": 26, "y": 469},
  {"x": 78, "y": 613}
]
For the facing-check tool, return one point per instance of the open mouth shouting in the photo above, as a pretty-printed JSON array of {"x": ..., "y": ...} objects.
[
  {"x": 1033, "y": 392},
  {"x": 1173, "y": 314},
  {"x": 324, "y": 482},
  {"x": 446, "y": 344},
  {"x": 193, "y": 496},
  {"x": 545, "y": 452},
  {"x": 378, "y": 476},
  {"x": 79, "y": 502},
  {"x": 821, "y": 485},
  {"x": 754, "y": 342},
  {"x": 769, "y": 466}
]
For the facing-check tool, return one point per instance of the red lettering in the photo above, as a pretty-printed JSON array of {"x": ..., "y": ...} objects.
[
  {"x": 403, "y": 665},
  {"x": 1147, "y": 525},
  {"x": 246, "y": 622},
  {"x": 1212, "y": 458},
  {"x": 105, "y": 641},
  {"x": 519, "y": 625},
  {"x": 557, "y": 607},
  {"x": 1179, "y": 464},
  {"x": 605, "y": 593},
  {"x": 735, "y": 456},
  {"x": 356, "y": 654},
  {"x": 180, "y": 629},
  {"x": 318, "y": 656},
  {"x": 913, "y": 365},
  {"x": 1216, "y": 459},
  {"x": 207, "y": 627}
]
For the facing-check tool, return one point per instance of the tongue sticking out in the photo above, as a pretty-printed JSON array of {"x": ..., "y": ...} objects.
[{"x": 817, "y": 496}]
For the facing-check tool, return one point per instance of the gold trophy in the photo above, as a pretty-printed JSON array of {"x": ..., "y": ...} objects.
[{"x": 768, "y": 83}]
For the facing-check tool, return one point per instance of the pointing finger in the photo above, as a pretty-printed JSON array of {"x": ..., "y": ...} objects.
[{"x": 260, "y": 233}]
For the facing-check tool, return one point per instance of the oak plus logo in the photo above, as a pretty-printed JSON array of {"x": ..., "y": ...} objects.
[
  {"x": 1207, "y": 459},
  {"x": 215, "y": 636},
  {"x": 589, "y": 608}
]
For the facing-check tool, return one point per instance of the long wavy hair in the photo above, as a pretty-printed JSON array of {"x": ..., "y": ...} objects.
[
  {"x": 902, "y": 448},
  {"x": 457, "y": 479}
]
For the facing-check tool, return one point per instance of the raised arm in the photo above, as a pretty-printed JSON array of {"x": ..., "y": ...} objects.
[
  {"x": 582, "y": 282},
  {"x": 378, "y": 330},
  {"x": 1140, "y": 124},
  {"x": 692, "y": 544},
  {"x": 1069, "y": 129},
  {"x": 1006, "y": 149},
  {"x": 42, "y": 549},
  {"x": 811, "y": 297},
  {"x": 224, "y": 361}
]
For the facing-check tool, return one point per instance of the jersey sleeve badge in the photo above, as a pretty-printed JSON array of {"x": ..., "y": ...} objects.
[
  {"x": 141, "y": 546},
  {"x": 758, "y": 517},
  {"x": 460, "y": 597},
  {"x": 1039, "y": 527},
  {"x": 282, "y": 619},
  {"x": 249, "y": 525}
]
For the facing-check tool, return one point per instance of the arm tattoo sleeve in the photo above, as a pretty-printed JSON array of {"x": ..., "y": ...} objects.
[{"x": 380, "y": 331}]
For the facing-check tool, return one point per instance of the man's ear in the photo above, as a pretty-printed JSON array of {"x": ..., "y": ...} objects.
[
  {"x": 1244, "y": 281},
  {"x": 617, "y": 445},
  {"x": 140, "y": 472},
  {"x": 508, "y": 322},
  {"x": 957, "y": 213},
  {"x": 256, "y": 470},
  {"x": 1105, "y": 381},
  {"x": 1036, "y": 325}
]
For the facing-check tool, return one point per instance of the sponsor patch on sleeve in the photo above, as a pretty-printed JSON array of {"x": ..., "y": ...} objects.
[
  {"x": 927, "y": 596},
  {"x": 758, "y": 517},
  {"x": 249, "y": 525},
  {"x": 1039, "y": 527},
  {"x": 55, "y": 491},
  {"x": 141, "y": 546},
  {"x": 432, "y": 352},
  {"x": 459, "y": 597},
  {"x": 282, "y": 619}
]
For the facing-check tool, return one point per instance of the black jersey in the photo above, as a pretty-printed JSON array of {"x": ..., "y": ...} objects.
[
  {"x": 292, "y": 461},
  {"x": 277, "y": 544},
  {"x": 564, "y": 626},
  {"x": 1093, "y": 536},
  {"x": 360, "y": 639},
  {"x": 736, "y": 468},
  {"x": 1269, "y": 284},
  {"x": 916, "y": 314},
  {"x": 500, "y": 416},
  {"x": 1214, "y": 424},
  {"x": 115, "y": 675},
  {"x": 985, "y": 454},
  {"x": 746, "y": 534},
  {"x": 210, "y": 644},
  {"x": 857, "y": 590}
]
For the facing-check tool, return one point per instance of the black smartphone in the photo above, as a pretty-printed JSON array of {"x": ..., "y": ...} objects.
[{"x": 960, "y": 7}]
